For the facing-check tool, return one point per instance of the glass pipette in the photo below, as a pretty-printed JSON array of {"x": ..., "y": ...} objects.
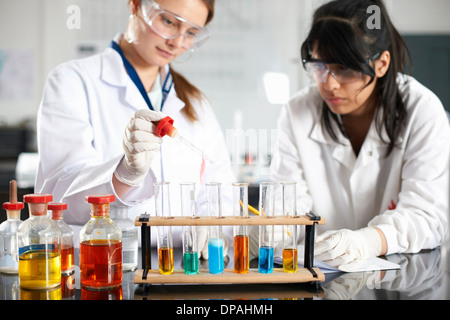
[{"x": 165, "y": 127}]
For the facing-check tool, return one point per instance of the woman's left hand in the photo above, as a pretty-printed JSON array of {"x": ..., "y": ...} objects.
[{"x": 346, "y": 249}]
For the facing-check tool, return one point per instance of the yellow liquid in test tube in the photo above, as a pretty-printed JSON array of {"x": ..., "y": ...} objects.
[
  {"x": 290, "y": 263},
  {"x": 165, "y": 256},
  {"x": 39, "y": 270}
]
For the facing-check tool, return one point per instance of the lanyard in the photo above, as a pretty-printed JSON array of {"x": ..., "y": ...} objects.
[{"x": 137, "y": 81}]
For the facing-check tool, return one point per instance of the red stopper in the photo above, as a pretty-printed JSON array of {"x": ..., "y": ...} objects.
[
  {"x": 37, "y": 198},
  {"x": 57, "y": 209},
  {"x": 100, "y": 198},
  {"x": 13, "y": 206},
  {"x": 57, "y": 206},
  {"x": 165, "y": 127}
]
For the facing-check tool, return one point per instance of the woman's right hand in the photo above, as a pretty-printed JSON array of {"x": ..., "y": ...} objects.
[{"x": 140, "y": 145}]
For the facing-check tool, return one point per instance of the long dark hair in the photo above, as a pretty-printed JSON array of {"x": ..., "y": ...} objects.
[{"x": 341, "y": 31}]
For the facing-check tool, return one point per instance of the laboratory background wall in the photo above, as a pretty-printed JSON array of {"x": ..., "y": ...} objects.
[{"x": 248, "y": 68}]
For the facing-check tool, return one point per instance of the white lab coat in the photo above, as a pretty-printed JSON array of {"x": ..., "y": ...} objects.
[
  {"x": 85, "y": 108},
  {"x": 354, "y": 192}
]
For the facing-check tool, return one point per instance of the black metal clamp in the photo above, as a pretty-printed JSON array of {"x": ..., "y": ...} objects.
[
  {"x": 309, "y": 243},
  {"x": 145, "y": 244}
]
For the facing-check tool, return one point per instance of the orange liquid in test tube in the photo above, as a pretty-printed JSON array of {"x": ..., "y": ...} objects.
[{"x": 241, "y": 252}]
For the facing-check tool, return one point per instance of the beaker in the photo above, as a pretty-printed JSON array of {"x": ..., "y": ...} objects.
[
  {"x": 189, "y": 233},
  {"x": 67, "y": 248},
  {"x": 164, "y": 238},
  {"x": 130, "y": 239},
  {"x": 266, "y": 232},
  {"x": 290, "y": 263},
  {"x": 215, "y": 236},
  {"x": 241, "y": 247}
]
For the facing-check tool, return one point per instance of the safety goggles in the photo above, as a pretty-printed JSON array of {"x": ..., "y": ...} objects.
[
  {"x": 169, "y": 25},
  {"x": 319, "y": 70}
]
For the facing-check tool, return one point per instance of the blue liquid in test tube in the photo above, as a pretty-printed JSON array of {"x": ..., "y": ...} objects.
[
  {"x": 265, "y": 262},
  {"x": 266, "y": 232},
  {"x": 215, "y": 255}
]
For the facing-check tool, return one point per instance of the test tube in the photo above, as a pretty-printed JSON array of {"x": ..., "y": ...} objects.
[
  {"x": 290, "y": 263},
  {"x": 215, "y": 238},
  {"x": 164, "y": 238},
  {"x": 266, "y": 232},
  {"x": 241, "y": 247},
  {"x": 189, "y": 233}
]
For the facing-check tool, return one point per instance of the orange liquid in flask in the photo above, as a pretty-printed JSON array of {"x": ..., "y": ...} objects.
[
  {"x": 101, "y": 263},
  {"x": 67, "y": 259}
]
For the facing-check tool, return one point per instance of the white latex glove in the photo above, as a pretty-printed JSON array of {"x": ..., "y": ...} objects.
[
  {"x": 347, "y": 250},
  {"x": 140, "y": 146}
]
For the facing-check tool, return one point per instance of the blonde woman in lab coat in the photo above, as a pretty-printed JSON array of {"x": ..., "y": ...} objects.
[
  {"x": 368, "y": 145},
  {"x": 95, "y": 130}
]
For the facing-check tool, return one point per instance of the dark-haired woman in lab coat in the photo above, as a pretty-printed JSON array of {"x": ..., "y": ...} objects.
[
  {"x": 367, "y": 144},
  {"x": 95, "y": 130}
]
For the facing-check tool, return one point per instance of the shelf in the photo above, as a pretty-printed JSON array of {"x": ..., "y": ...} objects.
[{"x": 229, "y": 276}]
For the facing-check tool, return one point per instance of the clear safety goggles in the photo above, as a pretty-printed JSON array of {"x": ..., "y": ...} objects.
[
  {"x": 319, "y": 70},
  {"x": 169, "y": 25}
]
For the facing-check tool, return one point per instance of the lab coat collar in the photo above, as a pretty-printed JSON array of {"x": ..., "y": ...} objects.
[{"x": 113, "y": 73}]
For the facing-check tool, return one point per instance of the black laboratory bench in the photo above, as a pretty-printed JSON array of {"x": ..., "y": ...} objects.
[{"x": 422, "y": 276}]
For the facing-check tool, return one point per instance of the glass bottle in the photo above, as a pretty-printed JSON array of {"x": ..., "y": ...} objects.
[
  {"x": 290, "y": 263},
  {"x": 266, "y": 232},
  {"x": 241, "y": 247},
  {"x": 100, "y": 246},
  {"x": 9, "y": 262},
  {"x": 67, "y": 250},
  {"x": 215, "y": 236},
  {"x": 189, "y": 233},
  {"x": 39, "y": 244},
  {"x": 164, "y": 239},
  {"x": 129, "y": 237}
]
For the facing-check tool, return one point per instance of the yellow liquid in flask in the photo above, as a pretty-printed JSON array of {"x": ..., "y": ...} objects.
[{"x": 39, "y": 270}]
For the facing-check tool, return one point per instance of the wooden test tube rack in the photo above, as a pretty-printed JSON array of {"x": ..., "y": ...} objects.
[{"x": 303, "y": 275}]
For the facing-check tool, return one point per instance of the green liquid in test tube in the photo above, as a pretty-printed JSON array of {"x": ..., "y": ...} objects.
[{"x": 189, "y": 233}]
